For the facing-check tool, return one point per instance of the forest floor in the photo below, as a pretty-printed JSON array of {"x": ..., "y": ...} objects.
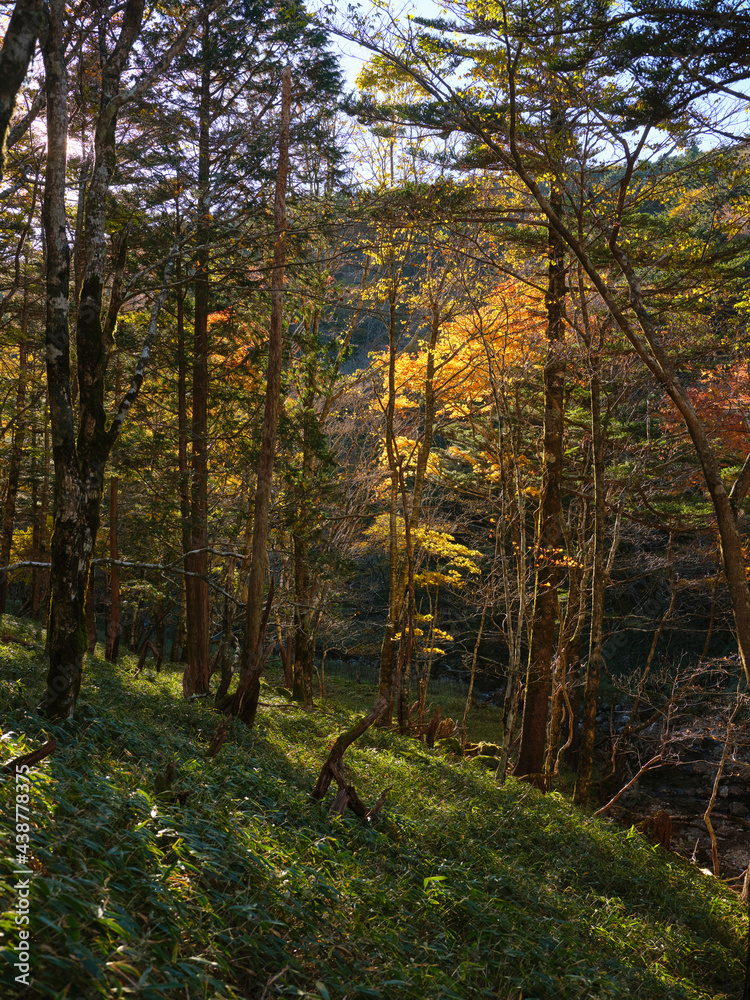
[{"x": 235, "y": 883}]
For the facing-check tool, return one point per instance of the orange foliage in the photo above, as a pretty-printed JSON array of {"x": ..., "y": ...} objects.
[
  {"x": 501, "y": 340},
  {"x": 234, "y": 341},
  {"x": 722, "y": 400}
]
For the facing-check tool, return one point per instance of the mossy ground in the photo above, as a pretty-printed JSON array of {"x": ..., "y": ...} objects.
[{"x": 249, "y": 889}]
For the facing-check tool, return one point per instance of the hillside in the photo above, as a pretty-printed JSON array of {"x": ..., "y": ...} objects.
[{"x": 234, "y": 883}]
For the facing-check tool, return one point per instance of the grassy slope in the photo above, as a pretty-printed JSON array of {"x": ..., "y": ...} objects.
[{"x": 250, "y": 889}]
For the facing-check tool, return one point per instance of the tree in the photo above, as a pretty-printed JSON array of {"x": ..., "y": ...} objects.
[
  {"x": 82, "y": 440},
  {"x": 245, "y": 701},
  {"x": 24, "y": 271},
  {"x": 214, "y": 159},
  {"x": 27, "y": 23},
  {"x": 514, "y": 70}
]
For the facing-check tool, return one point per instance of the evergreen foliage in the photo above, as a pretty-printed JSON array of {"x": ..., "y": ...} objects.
[{"x": 469, "y": 349}]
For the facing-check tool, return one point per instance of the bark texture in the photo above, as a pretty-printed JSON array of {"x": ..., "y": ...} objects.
[
  {"x": 27, "y": 23},
  {"x": 66, "y": 632}
]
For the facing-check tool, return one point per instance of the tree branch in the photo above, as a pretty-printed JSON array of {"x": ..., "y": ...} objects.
[
  {"x": 741, "y": 485},
  {"x": 654, "y": 762},
  {"x": 147, "y": 81},
  {"x": 140, "y": 370}
]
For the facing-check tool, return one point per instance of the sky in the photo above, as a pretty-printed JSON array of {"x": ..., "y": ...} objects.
[{"x": 353, "y": 56}]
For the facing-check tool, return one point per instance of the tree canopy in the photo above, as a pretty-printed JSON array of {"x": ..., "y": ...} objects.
[{"x": 447, "y": 375}]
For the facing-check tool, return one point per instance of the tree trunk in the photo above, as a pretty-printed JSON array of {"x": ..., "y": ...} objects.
[
  {"x": 72, "y": 537},
  {"x": 179, "y": 631},
  {"x": 569, "y": 648},
  {"x": 39, "y": 533},
  {"x": 649, "y": 348},
  {"x": 225, "y": 654},
  {"x": 556, "y": 713},
  {"x": 91, "y": 630},
  {"x": 66, "y": 632},
  {"x": 16, "y": 455},
  {"x": 513, "y": 515},
  {"x": 396, "y": 573},
  {"x": 396, "y": 587},
  {"x": 160, "y": 637},
  {"x": 250, "y": 667},
  {"x": 113, "y": 631},
  {"x": 27, "y": 23},
  {"x": 598, "y": 590},
  {"x": 303, "y": 647},
  {"x": 81, "y": 446},
  {"x": 394, "y": 672},
  {"x": 304, "y": 643},
  {"x": 197, "y": 669},
  {"x": 549, "y": 538},
  {"x": 345, "y": 740},
  {"x": 182, "y": 459}
]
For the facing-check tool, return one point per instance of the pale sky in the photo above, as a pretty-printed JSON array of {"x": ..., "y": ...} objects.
[{"x": 352, "y": 56}]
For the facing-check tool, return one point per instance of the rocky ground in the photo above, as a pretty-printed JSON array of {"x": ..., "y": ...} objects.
[{"x": 683, "y": 784}]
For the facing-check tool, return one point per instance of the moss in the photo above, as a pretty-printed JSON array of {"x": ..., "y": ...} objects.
[
  {"x": 80, "y": 639},
  {"x": 484, "y": 760}
]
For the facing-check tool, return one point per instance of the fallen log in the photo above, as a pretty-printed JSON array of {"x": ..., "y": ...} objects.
[
  {"x": 5, "y": 637},
  {"x": 332, "y": 769},
  {"x": 13, "y": 766}
]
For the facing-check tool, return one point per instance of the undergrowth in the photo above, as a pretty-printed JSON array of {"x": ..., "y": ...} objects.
[{"x": 235, "y": 884}]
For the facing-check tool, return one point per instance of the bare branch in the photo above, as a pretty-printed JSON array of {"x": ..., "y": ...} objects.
[{"x": 654, "y": 762}]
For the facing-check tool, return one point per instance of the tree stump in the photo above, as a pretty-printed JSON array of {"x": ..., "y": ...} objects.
[{"x": 660, "y": 824}]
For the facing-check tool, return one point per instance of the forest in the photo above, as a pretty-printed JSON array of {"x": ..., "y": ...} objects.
[{"x": 374, "y": 495}]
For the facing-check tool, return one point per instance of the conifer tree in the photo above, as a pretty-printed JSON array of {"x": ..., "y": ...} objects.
[{"x": 81, "y": 437}]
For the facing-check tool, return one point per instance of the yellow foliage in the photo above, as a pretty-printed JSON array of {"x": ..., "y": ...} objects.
[
  {"x": 439, "y": 634},
  {"x": 501, "y": 341},
  {"x": 458, "y": 560}
]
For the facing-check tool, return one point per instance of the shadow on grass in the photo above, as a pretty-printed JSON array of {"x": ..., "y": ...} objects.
[{"x": 463, "y": 887}]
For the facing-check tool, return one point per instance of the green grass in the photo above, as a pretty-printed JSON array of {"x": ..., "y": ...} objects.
[
  {"x": 448, "y": 694},
  {"x": 250, "y": 889}
]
